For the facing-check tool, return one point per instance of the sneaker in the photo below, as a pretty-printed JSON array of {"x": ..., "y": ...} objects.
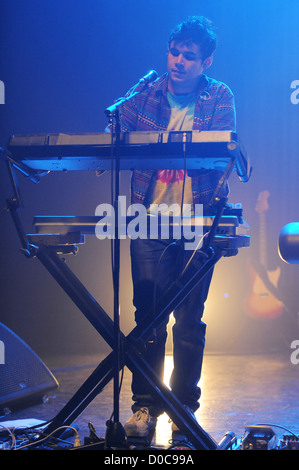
[{"x": 141, "y": 424}]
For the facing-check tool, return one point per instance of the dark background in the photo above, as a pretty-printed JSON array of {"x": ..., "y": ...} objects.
[{"x": 63, "y": 62}]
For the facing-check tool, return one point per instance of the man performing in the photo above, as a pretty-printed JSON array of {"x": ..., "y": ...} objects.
[{"x": 182, "y": 99}]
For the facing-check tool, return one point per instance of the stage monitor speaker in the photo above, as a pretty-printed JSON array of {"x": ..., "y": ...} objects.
[{"x": 24, "y": 378}]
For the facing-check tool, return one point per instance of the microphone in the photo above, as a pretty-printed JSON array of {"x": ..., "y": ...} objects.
[{"x": 149, "y": 77}]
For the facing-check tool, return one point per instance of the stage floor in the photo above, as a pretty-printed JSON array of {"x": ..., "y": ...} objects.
[{"x": 237, "y": 390}]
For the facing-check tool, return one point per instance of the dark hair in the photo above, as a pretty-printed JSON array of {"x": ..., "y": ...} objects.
[{"x": 199, "y": 30}]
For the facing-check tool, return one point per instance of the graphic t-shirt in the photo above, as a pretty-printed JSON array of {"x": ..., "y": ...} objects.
[{"x": 168, "y": 185}]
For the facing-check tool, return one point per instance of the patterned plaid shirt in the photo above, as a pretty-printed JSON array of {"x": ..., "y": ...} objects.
[{"x": 150, "y": 111}]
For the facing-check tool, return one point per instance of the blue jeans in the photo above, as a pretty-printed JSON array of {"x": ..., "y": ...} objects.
[{"x": 155, "y": 265}]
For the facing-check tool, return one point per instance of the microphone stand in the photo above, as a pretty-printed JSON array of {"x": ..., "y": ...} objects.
[{"x": 115, "y": 434}]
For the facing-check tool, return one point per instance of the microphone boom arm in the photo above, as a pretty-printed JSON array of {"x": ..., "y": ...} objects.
[
  {"x": 149, "y": 77},
  {"x": 111, "y": 110}
]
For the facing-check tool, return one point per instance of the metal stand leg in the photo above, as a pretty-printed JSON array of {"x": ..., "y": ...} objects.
[{"x": 132, "y": 357}]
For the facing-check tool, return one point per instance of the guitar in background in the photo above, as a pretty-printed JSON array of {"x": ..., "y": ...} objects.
[{"x": 263, "y": 301}]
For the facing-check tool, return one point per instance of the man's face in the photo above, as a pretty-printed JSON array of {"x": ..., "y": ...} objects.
[{"x": 184, "y": 66}]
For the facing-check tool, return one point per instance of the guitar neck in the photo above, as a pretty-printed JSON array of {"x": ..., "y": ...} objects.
[{"x": 263, "y": 245}]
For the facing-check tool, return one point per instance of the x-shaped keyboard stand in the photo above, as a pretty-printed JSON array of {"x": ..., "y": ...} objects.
[{"x": 131, "y": 345}]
